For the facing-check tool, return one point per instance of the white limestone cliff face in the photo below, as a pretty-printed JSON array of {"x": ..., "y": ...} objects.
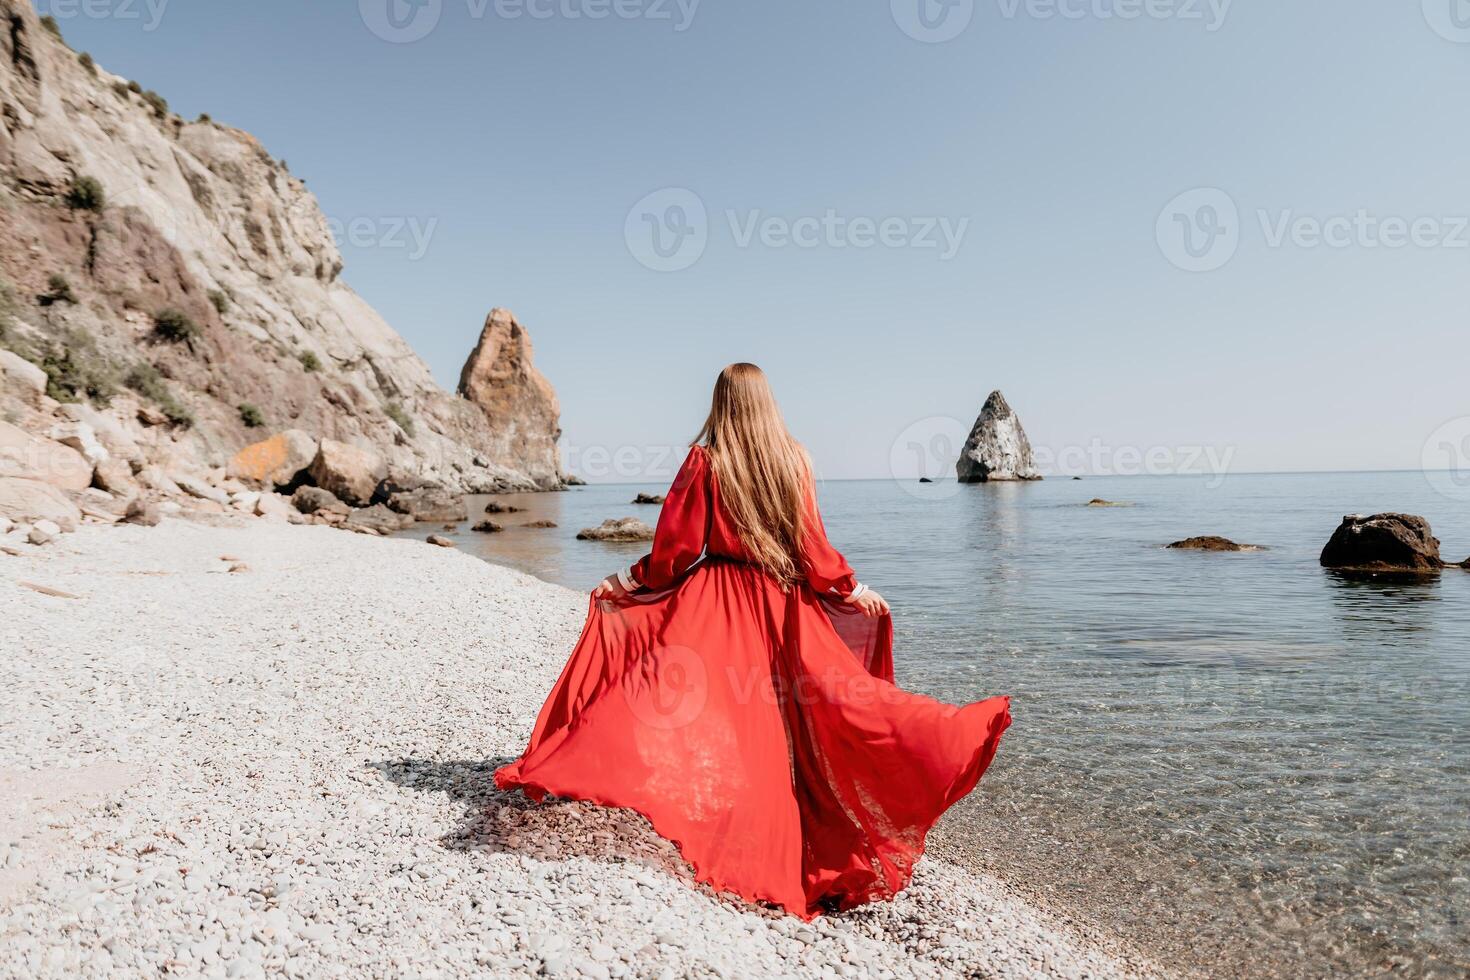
[
  {"x": 200, "y": 219},
  {"x": 997, "y": 448}
]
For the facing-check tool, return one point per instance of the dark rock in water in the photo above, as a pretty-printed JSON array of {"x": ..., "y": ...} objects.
[
  {"x": 997, "y": 448},
  {"x": 1076, "y": 477},
  {"x": 573, "y": 481},
  {"x": 496, "y": 507},
  {"x": 441, "y": 541},
  {"x": 487, "y": 527},
  {"x": 1383, "y": 543},
  {"x": 1213, "y": 542},
  {"x": 1099, "y": 502},
  {"x": 925, "y": 479},
  {"x": 429, "y": 504},
  {"x": 626, "y": 529},
  {"x": 310, "y": 500},
  {"x": 377, "y": 518},
  {"x": 541, "y": 524},
  {"x": 649, "y": 498}
]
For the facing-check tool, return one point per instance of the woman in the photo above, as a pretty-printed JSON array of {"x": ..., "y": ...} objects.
[{"x": 735, "y": 686}]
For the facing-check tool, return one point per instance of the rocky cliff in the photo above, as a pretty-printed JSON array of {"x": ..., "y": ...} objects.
[
  {"x": 997, "y": 448},
  {"x": 176, "y": 279}
]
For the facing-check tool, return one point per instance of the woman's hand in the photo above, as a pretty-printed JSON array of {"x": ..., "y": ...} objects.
[
  {"x": 609, "y": 588},
  {"x": 870, "y": 604}
]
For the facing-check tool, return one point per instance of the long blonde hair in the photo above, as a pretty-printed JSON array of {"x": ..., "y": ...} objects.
[{"x": 763, "y": 473}]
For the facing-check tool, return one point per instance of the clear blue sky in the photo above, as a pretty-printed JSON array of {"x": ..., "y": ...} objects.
[{"x": 1059, "y": 133}]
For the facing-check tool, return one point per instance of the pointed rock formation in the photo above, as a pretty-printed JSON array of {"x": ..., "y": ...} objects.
[
  {"x": 518, "y": 402},
  {"x": 997, "y": 448}
]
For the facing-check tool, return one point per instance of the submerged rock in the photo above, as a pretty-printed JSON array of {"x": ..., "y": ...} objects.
[
  {"x": 541, "y": 524},
  {"x": 625, "y": 529},
  {"x": 487, "y": 527},
  {"x": 1383, "y": 543},
  {"x": 430, "y": 504},
  {"x": 997, "y": 448},
  {"x": 1212, "y": 542}
]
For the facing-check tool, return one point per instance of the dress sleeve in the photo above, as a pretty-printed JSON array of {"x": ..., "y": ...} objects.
[
  {"x": 826, "y": 570},
  {"x": 683, "y": 526}
]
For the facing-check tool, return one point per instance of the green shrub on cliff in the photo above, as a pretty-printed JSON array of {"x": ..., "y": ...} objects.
[
  {"x": 174, "y": 326},
  {"x": 221, "y": 301},
  {"x": 50, "y": 24},
  {"x": 146, "y": 380},
  {"x": 157, "y": 102},
  {"x": 86, "y": 194},
  {"x": 61, "y": 291},
  {"x": 87, "y": 62},
  {"x": 396, "y": 412},
  {"x": 251, "y": 416},
  {"x": 310, "y": 363}
]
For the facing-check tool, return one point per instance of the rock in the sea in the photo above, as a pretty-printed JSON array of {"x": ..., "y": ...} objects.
[
  {"x": 649, "y": 498},
  {"x": 925, "y": 479},
  {"x": 997, "y": 448},
  {"x": 275, "y": 462},
  {"x": 350, "y": 473},
  {"x": 1212, "y": 542},
  {"x": 26, "y": 501},
  {"x": 1383, "y": 543},
  {"x": 377, "y": 518},
  {"x": 441, "y": 541},
  {"x": 142, "y": 512},
  {"x": 625, "y": 529},
  {"x": 310, "y": 500},
  {"x": 541, "y": 524},
  {"x": 33, "y": 458},
  {"x": 496, "y": 507},
  {"x": 1099, "y": 502},
  {"x": 518, "y": 402},
  {"x": 429, "y": 504},
  {"x": 488, "y": 527}
]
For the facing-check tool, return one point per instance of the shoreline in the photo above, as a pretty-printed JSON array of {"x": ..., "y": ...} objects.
[{"x": 286, "y": 768}]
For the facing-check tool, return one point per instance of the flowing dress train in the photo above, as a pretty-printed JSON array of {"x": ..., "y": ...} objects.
[{"x": 757, "y": 728}]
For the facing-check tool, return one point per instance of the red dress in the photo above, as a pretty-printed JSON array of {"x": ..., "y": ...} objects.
[{"x": 758, "y": 729}]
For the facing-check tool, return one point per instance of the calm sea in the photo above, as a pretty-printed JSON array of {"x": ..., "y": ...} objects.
[{"x": 1242, "y": 762}]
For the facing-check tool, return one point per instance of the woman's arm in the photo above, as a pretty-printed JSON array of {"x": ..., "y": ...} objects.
[
  {"x": 683, "y": 527},
  {"x": 827, "y": 571}
]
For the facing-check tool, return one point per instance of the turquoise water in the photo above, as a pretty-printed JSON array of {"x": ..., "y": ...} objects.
[{"x": 1242, "y": 761}]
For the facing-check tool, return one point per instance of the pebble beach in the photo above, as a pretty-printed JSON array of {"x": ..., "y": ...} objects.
[{"x": 233, "y": 750}]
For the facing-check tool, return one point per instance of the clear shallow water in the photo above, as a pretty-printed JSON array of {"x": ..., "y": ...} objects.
[{"x": 1241, "y": 761}]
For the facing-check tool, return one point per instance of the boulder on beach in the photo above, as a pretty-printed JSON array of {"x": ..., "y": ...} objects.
[
  {"x": 429, "y": 504},
  {"x": 1383, "y": 543},
  {"x": 624, "y": 529},
  {"x": 27, "y": 501},
  {"x": 310, "y": 500},
  {"x": 143, "y": 513},
  {"x": 440, "y": 541},
  {"x": 351, "y": 474},
  {"x": 23, "y": 378},
  {"x": 1212, "y": 542},
  {"x": 275, "y": 462},
  {"x": 377, "y": 518},
  {"x": 649, "y": 498},
  {"x": 33, "y": 458},
  {"x": 997, "y": 449}
]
